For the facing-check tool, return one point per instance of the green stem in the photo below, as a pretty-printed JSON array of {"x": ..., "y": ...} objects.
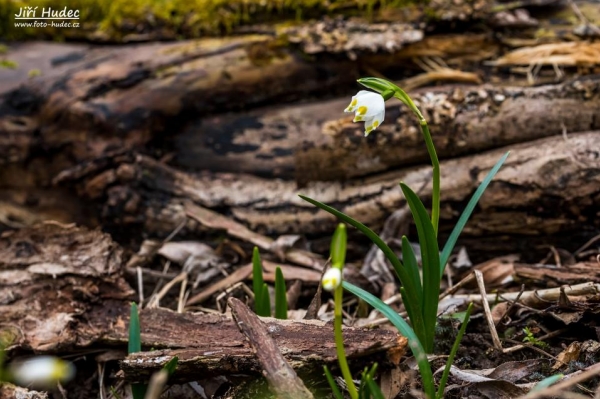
[
  {"x": 339, "y": 342},
  {"x": 435, "y": 163}
]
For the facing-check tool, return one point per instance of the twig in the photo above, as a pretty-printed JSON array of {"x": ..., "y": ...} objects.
[
  {"x": 181, "y": 302},
  {"x": 487, "y": 311},
  {"x": 140, "y": 282},
  {"x": 567, "y": 382},
  {"x": 512, "y": 305},
  {"x": 281, "y": 377},
  {"x": 156, "y": 385},
  {"x": 154, "y": 301}
]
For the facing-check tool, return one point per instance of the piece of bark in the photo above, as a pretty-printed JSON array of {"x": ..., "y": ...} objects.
[
  {"x": 10, "y": 391},
  {"x": 547, "y": 187},
  {"x": 554, "y": 276},
  {"x": 314, "y": 142},
  {"x": 212, "y": 345},
  {"x": 282, "y": 378},
  {"x": 54, "y": 280},
  {"x": 61, "y": 289}
]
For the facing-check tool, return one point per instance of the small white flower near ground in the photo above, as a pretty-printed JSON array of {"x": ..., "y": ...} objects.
[
  {"x": 332, "y": 279},
  {"x": 42, "y": 371},
  {"x": 369, "y": 107}
]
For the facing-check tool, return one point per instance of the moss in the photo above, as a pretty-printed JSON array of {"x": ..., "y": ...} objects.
[
  {"x": 8, "y": 64},
  {"x": 115, "y": 19}
]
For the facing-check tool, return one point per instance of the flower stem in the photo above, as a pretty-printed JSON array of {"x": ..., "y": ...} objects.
[
  {"x": 435, "y": 163},
  {"x": 339, "y": 342}
]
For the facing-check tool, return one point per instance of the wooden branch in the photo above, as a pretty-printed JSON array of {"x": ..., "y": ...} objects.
[{"x": 281, "y": 377}]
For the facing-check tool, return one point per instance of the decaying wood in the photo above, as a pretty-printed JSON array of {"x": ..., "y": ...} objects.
[
  {"x": 315, "y": 141},
  {"x": 282, "y": 378},
  {"x": 547, "y": 186},
  {"x": 122, "y": 97},
  {"x": 552, "y": 275},
  {"x": 54, "y": 281},
  {"x": 61, "y": 289},
  {"x": 9, "y": 391},
  {"x": 208, "y": 344}
]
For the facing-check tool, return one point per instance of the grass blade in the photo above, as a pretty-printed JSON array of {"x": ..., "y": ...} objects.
[
  {"x": 404, "y": 328},
  {"x": 374, "y": 388},
  {"x": 265, "y": 302},
  {"x": 334, "y": 388},
  {"x": 430, "y": 255},
  {"x": 464, "y": 217},
  {"x": 461, "y": 332},
  {"x": 281, "y": 306},
  {"x": 134, "y": 345},
  {"x": 135, "y": 336},
  {"x": 412, "y": 266},
  {"x": 257, "y": 279},
  {"x": 171, "y": 365}
]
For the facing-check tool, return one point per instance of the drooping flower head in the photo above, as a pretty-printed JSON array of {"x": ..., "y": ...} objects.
[
  {"x": 332, "y": 279},
  {"x": 369, "y": 107}
]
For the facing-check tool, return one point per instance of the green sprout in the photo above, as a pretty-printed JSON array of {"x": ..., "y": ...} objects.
[{"x": 262, "y": 298}]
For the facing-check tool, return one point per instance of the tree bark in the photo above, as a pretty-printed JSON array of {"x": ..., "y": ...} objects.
[
  {"x": 61, "y": 290},
  {"x": 313, "y": 142},
  {"x": 547, "y": 186}
]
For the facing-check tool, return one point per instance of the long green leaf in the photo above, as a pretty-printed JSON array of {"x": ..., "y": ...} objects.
[
  {"x": 411, "y": 293},
  {"x": 413, "y": 342},
  {"x": 415, "y": 315},
  {"x": 171, "y": 365},
  {"x": 265, "y": 302},
  {"x": 412, "y": 266},
  {"x": 374, "y": 388},
  {"x": 138, "y": 391},
  {"x": 257, "y": 279},
  {"x": 430, "y": 254},
  {"x": 461, "y": 332},
  {"x": 464, "y": 218},
  {"x": 281, "y": 306},
  {"x": 332, "y": 384},
  {"x": 135, "y": 337}
]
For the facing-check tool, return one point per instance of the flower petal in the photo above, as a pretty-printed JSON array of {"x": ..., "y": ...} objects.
[{"x": 370, "y": 104}]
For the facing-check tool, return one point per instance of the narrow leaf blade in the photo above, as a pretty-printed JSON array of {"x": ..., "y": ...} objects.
[
  {"x": 430, "y": 255},
  {"x": 404, "y": 328},
  {"x": 281, "y": 306},
  {"x": 464, "y": 217},
  {"x": 412, "y": 266},
  {"x": 257, "y": 278},
  {"x": 135, "y": 337}
]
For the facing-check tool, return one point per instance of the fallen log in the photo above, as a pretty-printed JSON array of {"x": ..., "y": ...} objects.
[
  {"x": 61, "y": 289},
  {"x": 547, "y": 186},
  {"x": 93, "y": 99},
  {"x": 315, "y": 142}
]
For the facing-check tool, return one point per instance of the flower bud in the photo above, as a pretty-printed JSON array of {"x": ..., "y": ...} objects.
[
  {"x": 332, "y": 279},
  {"x": 42, "y": 372}
]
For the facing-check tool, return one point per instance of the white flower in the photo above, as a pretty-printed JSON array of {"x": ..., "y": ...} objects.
[
  {"x": 368, "y": 107},
  {"x": 332, "y": 279},
  {"x": 42, "y": 371}
]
